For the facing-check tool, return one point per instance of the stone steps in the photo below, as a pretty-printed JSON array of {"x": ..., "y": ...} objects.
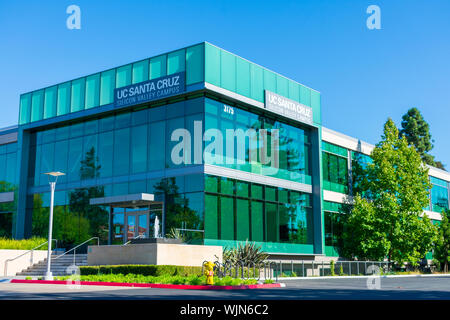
[{"x": 58, "y": 266}]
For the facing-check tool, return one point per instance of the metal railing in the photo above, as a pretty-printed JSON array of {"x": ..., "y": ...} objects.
[
  {"x": 74, "y": 249},
  {"x": 31, "y": 255},
  {"x": 300, "y": 268},
  {"x": 137, "y": 237}
]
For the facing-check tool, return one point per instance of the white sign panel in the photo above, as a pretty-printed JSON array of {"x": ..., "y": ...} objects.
[{"x": 288, "y": 108}]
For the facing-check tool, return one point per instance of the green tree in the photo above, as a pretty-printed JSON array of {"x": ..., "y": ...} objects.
[
  {"x": 387, "y": 222},
  {"x": 442, "y": 244},
  {"x": 417, "y": 132}
]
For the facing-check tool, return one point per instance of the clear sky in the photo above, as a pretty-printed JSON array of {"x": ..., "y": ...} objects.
[{"x": 365, "y": 76}]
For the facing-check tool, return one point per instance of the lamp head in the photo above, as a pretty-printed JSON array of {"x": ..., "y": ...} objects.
[{"x": 54, "y": 175}]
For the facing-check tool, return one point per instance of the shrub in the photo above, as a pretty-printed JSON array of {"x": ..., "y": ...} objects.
[
  {"x": 248, "y": 253},
  {"x": 268, "y": 281},
  {"x": 24, "y": 244},
  {"x": 145, "y": 270},
  {"x": 341, "y": 270},
  {"x": 332, "y": 268}
]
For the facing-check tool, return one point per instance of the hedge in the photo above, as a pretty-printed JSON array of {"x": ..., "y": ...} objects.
[
  {"x": 24, "y": 244},
  {"x": 145, "y": 270}
]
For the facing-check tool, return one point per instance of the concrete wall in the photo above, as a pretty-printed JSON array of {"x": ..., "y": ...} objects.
[
  {"x": 20, "y": 263},
  {"x": 153, "y": 253}
]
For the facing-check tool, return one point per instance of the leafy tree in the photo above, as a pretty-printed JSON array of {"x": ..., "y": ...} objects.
[
  {"x": 387, "y": 221},
  {"x": 442, "y": 245},
  {"x": 417, "y": 132}
]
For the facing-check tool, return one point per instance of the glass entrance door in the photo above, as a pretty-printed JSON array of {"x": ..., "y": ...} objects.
[{"x": 137, "y": 225}]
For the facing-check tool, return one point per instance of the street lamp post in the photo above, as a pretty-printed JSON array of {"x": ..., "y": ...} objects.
[{"x": 52, "y": 178}]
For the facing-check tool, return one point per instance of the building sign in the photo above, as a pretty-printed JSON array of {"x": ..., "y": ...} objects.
[
  {"x": 142, "y": 92},
  {"x": 288, "y": 108}
]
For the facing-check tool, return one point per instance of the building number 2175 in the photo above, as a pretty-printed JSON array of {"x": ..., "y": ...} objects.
[{"x": 228, "y": 109}]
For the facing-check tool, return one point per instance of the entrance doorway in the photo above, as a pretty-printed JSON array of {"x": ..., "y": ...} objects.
[{"x": 136, "y": 225}]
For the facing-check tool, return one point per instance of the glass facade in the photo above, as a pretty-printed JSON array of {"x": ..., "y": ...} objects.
[
  {"x": 439, "y": 194},
  {"x": 98, "y": 89},
  {"x": 334, "y": 168},
  {"x": 244, "y": 148},
  {"x": 240, "y": 211},
  {"x": 8, "y": 183}
]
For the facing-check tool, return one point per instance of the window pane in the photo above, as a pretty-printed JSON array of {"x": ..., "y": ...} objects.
[
  {"x": 211, "y": 217},
  {"x": 242, "y": 220},
  {"x": 64, "y": 98},
  {"x": 121, "y": 151},
  {"x": 78, "y": 90},
  {"x": 123, "y": 76},
  {"x": 271, "y": 223},
  {"x": 51, "y": 95},
  {"x": 75, "y": 157},
  {"x": 157, "y": 67},
  {"x": 194, "y": 64},
  {"x": 105, "y": 153},
  {"x": 107, "y": 85},
  {"x": 140, "y": 71},
  {"x": 25, "y": 108},
  {"x": 156, "y": 140},
  {"x": 257, "y": 221},
  {"x": 226, "y": 218},
  {"x": 139, "y": 149},
  {"x": 37, "y": 105},
  {"x": 92, "y": 91},
  {"x": 176, "y": 62}
]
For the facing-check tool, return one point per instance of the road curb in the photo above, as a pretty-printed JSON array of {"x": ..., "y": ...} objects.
[
  {"x": 365, "y": 277},
  {"x": 152, "y": 285}
]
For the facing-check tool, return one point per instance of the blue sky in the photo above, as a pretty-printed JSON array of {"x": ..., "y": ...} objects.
[{"x": 365, "y": 76}]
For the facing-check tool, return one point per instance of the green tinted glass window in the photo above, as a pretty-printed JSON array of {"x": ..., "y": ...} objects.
[
  {"x": 257, "y": 82},
  {"x": 305, "y": 96},
  {"x": 140, "y": 71},
  {"x": 50, "y": 101},
  {"x": 242, "y": 189},
  {"x": 158, "y": 67},
  {"x": 176, "y": 62},
  {"x": 226, "y": 218},
  {"x": 105, "y": 153},
  {"x": 211, "y": 184},
  {"x": 156, "y": 139},
  {"x": 257, "y": 191},
  {"x": 107, "y": 85},
  {"x": 271, "y": 223},
  {"x": 226, "y": 186},
  {"x": 93, "y": 91},
  {"x": 123, "y": 76},
  {"x": 242, "y": 220},
  {"x": 282, "y": 86},
  {"x": 257, "y": 225},
  {"x": 37, "y": 105},
  {"x": 25, "y": 108},
  {"x": 270, "y": 80},
  {"x": 211, "y": 217},
  {"x": 77, "y": 97},
  {"x": 194, "y": 64},
  {"x": 270, "y": 194}
]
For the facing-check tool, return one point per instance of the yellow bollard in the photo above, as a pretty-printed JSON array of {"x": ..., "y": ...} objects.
[{"x": 209, "y": 272}]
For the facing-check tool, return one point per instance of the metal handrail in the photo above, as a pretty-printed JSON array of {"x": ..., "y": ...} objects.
[
  {"x": 31, "y": 257},
  {"x": 137, "y": 237},
  {"x": 74, "y": 248}
]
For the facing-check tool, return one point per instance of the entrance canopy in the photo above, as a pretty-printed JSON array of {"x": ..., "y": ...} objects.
[
  {"x": 137, "y": 217},
  {"x": 130, "y": 201}
]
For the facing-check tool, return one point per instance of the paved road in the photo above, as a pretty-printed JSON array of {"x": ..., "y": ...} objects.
[{"x": 347, "y": 289}]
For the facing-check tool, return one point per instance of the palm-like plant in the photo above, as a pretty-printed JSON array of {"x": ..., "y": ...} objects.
[{"x": 247, "y": 254}]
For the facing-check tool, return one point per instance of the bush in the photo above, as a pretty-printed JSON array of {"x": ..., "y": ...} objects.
[
  {"x": 145, "y": 270},
  {"x": 332, "y": 268},
  {"x": 341, "y": 270},
  {"x": 24, "y": 244},
  {"x": 247, "y": 253},
  {"x": 268, "y": 281}
]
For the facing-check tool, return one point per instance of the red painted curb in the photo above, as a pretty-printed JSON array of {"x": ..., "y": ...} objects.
[{"x": 152, "y": 285}]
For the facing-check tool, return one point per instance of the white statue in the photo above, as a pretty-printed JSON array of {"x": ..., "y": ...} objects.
[{"x": 156, "y": 228}]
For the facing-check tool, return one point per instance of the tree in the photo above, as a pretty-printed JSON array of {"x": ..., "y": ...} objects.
[
  {"x": 387, "y": 221},
  {"x": 442, "y": 245},
  {"x": 417, "y": 132}
]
